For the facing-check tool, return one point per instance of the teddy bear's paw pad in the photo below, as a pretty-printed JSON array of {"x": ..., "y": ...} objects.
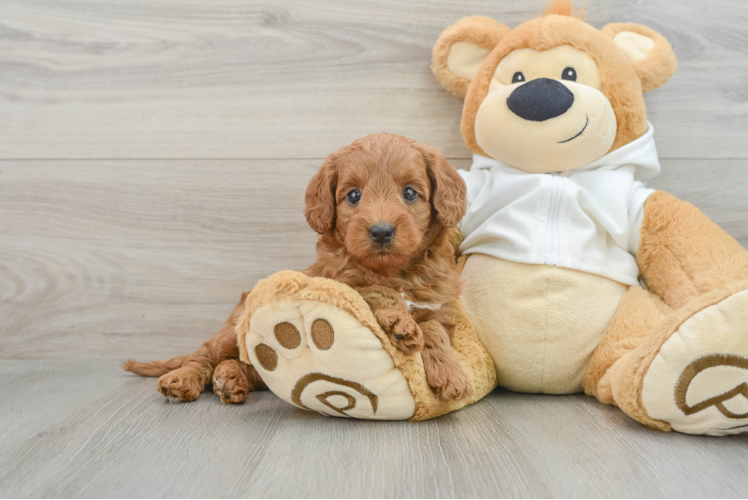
[
  {"x": 698, "y": 382},
  {"x": 318, "y": 357}
]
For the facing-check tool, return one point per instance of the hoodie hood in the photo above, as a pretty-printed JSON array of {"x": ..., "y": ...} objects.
[
  {"x": 640, "y": 156},
  {"x": 585, "y": 219}
]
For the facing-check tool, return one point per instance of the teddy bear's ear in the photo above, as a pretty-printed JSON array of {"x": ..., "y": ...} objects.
[
  {"x": 461, "y": 50},
  {"x": 650, "y": 54}
]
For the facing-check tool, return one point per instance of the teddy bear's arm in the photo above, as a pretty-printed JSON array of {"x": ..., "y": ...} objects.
[{"x": 683, "y": 254}]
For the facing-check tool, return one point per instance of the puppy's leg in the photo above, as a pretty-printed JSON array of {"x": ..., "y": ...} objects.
[
  {"x": 392, "y": 314},
  {"x": 443, "y": 371},
  {"x": 233, "y": 380},
  {"x": 186, "y": 383},
  {"x": 403, "y": 331}
]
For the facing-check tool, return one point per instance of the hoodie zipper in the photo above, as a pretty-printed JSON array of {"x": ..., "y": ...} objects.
[{"x": 554, "y": 217}]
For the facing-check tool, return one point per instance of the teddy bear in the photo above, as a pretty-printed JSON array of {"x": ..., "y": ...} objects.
[{"x": 576, "y": 277}]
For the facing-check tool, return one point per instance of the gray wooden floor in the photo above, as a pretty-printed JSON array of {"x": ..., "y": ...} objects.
[
  {"x": 83, "y": 428},
  {"x": 153, "y": 160}
]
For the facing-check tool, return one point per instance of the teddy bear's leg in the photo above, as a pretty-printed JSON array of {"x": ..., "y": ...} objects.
[
  {"x": 317, "y": 345},
  {"x": 690, "y": 371},
  {"x": 635, "y": 318},
  {"x": 683, "y": 254}
]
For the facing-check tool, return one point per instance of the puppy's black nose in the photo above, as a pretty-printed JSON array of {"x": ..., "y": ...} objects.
[
  {"x": 540, "y": 100},
  {"x": 381, "y": 232}
]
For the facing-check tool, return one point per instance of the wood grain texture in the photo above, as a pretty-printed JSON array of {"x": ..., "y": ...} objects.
[
  {"x": 145, "y": 259},
  {"x": 86, "y": 429},
  {"x": 211, "y": 117},
  {"x": 117, "y": 254},
  {"x": 297, "y": 79}
]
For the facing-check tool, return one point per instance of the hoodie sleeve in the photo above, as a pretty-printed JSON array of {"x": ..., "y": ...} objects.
[
  {"x": 639, "y": 194},
  {"x": 474, "y": 179}
]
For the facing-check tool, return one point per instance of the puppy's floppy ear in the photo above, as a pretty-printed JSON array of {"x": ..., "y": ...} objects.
[
  {"x": 320, "y": 196},
  {"x": 448, "y": 190},
  {"x": 461, "y": 50},
  {"x": 649, "y": 52}
]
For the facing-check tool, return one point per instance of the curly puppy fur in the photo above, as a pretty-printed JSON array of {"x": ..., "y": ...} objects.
[
  {"x": 417, "y": 262},
  {"x": 217, "y": 361}
]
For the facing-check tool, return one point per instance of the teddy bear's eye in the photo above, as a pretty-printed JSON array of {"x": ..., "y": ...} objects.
[
  {"x": 518, "y": 77},
  {"x": 569, "y": 74}
]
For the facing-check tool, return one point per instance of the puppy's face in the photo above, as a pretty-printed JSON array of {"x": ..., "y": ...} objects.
[
  {"x": 383, "y": 207},
  {"x": 386, "y": 192}
]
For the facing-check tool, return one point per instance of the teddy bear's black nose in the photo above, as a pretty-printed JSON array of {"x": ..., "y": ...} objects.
[{"x": 541, "y": 99}]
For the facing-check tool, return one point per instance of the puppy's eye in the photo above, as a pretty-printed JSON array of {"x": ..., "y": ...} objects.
[
  {"x": 518, "y": 77},
  {"x": 410, "y": 194},
  {"x": 569, "y": 74},
  {"x": 353, "y": 197}
]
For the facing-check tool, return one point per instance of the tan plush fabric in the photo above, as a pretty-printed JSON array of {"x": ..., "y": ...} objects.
[
  {"x": 540, "y": 323},
  {"x": 635, "y": 46},
  {"x": 638, "y": 312},
  {"x": 293, "y": 287},
  {"x": 620, "y": 84},
  {"x": 682, "y": 254},
  {"x": 706, "y": 362},
  {"x": 465, "y": 59},
  {"x": 479, "y": 31},
  {"x": 319, "y": 370},
  {"x": 637, "y": 61},
  {"x": 515, "y": 141},
  {"x": 658, "y": 64},
  {"x": 678, "y": 349},
  {"x": 689, "y": 264},
  {"x": 627, "y": 374},
  {"x": 549, "y": 63}
]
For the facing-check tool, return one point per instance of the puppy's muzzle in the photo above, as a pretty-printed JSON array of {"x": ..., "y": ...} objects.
[{"x": 381, "y": 233}]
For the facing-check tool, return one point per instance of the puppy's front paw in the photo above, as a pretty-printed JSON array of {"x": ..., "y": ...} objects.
[
  {"x": 402, "y": 329},
  {"x": 180, "y": 385},
  {"x": 445, "y": 375}
]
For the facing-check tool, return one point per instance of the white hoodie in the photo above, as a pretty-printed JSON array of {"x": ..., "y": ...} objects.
[{"x": 586, "y": 219}]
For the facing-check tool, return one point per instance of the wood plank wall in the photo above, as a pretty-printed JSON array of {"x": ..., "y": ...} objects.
[{"x": 154, "y": 155}]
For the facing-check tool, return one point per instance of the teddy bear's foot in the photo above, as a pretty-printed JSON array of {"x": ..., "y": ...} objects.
[
  {"x": 698, "y": 380},
  {"x": 317, "y": 345},
  {"x": 318, "y": 357}
]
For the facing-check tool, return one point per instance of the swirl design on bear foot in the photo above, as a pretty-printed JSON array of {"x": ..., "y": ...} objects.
[
  {"x": 698, "y": 366},
  {"x": 324, "y": 397}
]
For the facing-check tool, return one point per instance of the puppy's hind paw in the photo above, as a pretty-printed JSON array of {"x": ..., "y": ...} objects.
[
  {"x": 229, "y": 382},
  {"x": 180, "y": 385},
  {"x": 457, "y": 386},
  {"x": 445, "y": 375}
]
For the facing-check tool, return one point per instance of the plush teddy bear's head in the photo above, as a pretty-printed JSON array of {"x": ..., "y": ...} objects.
[{"x": 554, "y": 93}]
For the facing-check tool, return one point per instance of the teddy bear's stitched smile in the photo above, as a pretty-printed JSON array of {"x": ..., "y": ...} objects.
[{"x": 587, "y": 122}]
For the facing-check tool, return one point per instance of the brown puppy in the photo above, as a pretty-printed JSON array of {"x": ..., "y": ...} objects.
[
  {"x": 185, "y": 377},
  {"x": 383, "y": 206}
]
